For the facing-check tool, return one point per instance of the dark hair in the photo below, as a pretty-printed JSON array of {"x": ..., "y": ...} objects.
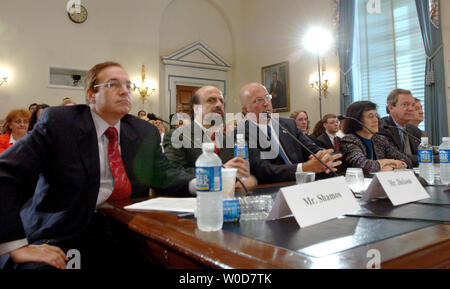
[
  {"x": 318, "y": 128},
  {"x": 29, "y": 107},
  {"x": 33, "y": 118},
  {"x": 356, "y": 110}
]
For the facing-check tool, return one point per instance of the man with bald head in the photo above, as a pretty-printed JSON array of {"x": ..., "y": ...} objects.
[
  {"x": 184, "y": 145},
  {"x": 290, "y": 156}
]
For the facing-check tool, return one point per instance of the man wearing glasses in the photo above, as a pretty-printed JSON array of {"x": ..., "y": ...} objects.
[
  {"x": 83, "y": 156},
  {"x": 328, "y": 138},
  {"x": 400, "y": 107},
  {"x": 279, "y": 154}
]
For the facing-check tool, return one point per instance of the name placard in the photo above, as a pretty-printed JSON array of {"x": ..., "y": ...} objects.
[
  {"x": 400, "y": 187},
  {"x": 315, "y": 202}
]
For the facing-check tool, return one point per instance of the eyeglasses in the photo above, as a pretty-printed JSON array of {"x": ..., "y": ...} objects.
[
  {"x": 266, "y": 97},
  {"x": 116, "y": 85},
  {"x": 19, "y": 121},
  {"x": 372, "y": 115}
]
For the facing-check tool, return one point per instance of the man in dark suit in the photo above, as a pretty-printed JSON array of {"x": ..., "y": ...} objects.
[
  {"x": 400, "y": 107},
  {"x": 328, "y": 139},
  {"x": 184, "y": 145},
  {"x": 278, "y": 156},
  {"x": 82, "y": 156},
  {"x": 278, "y": 92}
]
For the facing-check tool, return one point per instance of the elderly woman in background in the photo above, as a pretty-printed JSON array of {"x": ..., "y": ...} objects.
[
  {"x": 34, "y": 119},
  {"x": 15, "y": 128},
  {"x": 301, "y": 118},
  {"x": 363, "y": 148}
]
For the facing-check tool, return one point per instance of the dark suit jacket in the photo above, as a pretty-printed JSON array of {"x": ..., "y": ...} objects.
[
  {"x": 393, "y": 135},
  {"x": 278, "y": 94},
  {"x": 324, "y": 141},
  {"x": 186, "y": 156},
  {"x": 62, "y": 151},
  {"x": 275, "y": 170}
]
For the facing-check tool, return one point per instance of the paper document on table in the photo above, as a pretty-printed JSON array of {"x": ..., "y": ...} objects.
[{"x": 165, "y": 204}]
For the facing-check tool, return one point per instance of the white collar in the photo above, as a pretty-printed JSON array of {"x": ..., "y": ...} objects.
[
  {"x": 101, "y": 125},
  {"x": 11, "y": 139}
]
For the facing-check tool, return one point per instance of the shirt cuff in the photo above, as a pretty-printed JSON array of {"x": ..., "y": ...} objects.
[
  {"x": 192, "y": 187},
  {"x": 13, "y": 245},
  {"x": 299, "y": 168}
]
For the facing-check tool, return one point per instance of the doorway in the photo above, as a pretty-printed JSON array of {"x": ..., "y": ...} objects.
[{"x": 184, "y": 96}]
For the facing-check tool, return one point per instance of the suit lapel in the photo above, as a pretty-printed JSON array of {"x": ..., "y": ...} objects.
[
  {"x": 396, "y": 135},
  {"x": 88, "y": 146},
  {"x": 128, "y": 139}
]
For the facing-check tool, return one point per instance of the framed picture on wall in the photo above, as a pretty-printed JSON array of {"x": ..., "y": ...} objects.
[{"x": 275, "y": 78}]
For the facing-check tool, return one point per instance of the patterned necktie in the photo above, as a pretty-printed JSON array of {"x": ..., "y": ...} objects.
[
  {"x": 122, "y": 185},
  {"x": 336, "y": 144},
  {"x": 216, "y": 148}
]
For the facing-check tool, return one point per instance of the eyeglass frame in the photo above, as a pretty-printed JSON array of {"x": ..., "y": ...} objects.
[
  {"x": 267, "y": 97},
  {"x": 110, "y": 85}
]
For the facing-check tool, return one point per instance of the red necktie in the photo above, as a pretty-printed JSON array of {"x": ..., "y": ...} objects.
[
  {"x": 122, "y": 185},
  {"x": 216, "y": 148},
  {"x": 336, "y": 144}
]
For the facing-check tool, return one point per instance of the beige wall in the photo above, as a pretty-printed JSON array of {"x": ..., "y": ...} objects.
[{"x": 248, "y": 34}]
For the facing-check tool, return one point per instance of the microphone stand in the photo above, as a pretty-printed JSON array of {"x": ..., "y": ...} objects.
[{"x": 302, "y": 145}]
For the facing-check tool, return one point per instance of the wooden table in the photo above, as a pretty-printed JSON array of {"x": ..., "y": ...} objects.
[{"x": 177, "y": 243}]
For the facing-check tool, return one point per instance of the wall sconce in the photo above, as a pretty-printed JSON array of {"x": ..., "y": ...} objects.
[
  {"x": 145, "y": 89},
  {"x": 4, "y": 75},
  {"x": 325, "y": 80}
]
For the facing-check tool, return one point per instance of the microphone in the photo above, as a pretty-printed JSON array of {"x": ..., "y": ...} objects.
[
  {"x": 267, "y": 113},
  {"x": 341, "y": 117},
  {"x": 404, "y": 131},
  {"x": 152, "y": 116}
]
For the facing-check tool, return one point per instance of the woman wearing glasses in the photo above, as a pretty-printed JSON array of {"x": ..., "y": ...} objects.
[
  {"x": 363, "y": 148},
  {"x": 15, "y": 128}
]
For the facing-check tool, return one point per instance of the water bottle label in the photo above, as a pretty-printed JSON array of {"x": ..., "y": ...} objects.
[
  {"x": 231, "y": 210},
  {"x": 209, "y": 179},
  {"x": 425, "y": 156},
  {"x": 241, "y": 152},
  {"x": 444, "y": 156}
]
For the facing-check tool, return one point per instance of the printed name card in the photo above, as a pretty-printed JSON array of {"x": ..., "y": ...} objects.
[
  {"x": 315, "y": 202},
  {"x": 400, "y": 187}
]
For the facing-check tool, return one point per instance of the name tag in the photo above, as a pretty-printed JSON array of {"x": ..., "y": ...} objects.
[
  {"x": 315, "y": 202},
  {"x": 400, "y": 187}
]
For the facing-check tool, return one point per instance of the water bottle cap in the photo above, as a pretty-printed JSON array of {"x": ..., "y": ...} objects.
[
  {"x": 424, "y": 139},
  {"x": 240, "y": 136},
  {"x": 446, "y": 139},
  {"x": 208, "y": 146}
]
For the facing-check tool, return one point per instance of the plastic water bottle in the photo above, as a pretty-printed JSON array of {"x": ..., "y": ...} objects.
[
  {"x": 247, "y": 208},
  {"x": 444, "y": 159},
  {"x": 426, "y": 169},
  {"x": 208, "y": 172},
  {"x": 241, "y": 151}
]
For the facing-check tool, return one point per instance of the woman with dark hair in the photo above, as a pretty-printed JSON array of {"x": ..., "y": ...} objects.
[
  {"x": 34, "y": 119},
  {"x": 363, "y": 148}
]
